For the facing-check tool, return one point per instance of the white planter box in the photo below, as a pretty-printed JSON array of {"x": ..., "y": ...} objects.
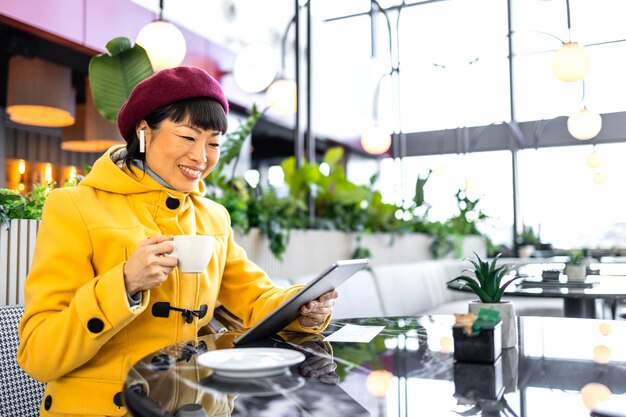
[
  {"x": 17, "y": 244},
  {"x": 310, "y": 251}
]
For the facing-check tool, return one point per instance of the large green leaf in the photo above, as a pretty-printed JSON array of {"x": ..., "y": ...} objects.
[
  {"x": 113, "y": 76},
  {"x": 333, "y": 156}
]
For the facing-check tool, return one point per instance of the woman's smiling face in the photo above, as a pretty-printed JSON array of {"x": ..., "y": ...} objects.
[{"x": 181, "y": 154}]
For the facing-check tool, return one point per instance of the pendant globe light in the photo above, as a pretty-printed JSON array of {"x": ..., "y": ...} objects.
[
  {"x": 282, "y": 94},
  {"x": 584, "y": 124},
  {"x": 164, "y": 43},
  {"x": 282, "y": 97},
  {"x": 255, "y": 67},
  {"x": 40, "y": 93},
  {"x": 376, "y": 140},
  {"x": 597, "y": 178},
  {"x": 594, "y": 160},
  {"x": 571, "y": 61}
]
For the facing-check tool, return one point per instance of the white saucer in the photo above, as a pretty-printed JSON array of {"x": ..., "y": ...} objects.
[
  {"x": 257, "y": 387},
  {"x": 250, "y": 362}
]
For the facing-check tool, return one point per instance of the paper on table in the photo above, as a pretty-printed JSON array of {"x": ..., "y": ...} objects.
[{"x": 354, "y": 333}]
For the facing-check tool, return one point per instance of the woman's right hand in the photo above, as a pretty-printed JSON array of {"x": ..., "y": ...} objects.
[{"x": 147, "y": 267}]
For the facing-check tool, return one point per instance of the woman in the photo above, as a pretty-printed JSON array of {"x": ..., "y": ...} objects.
[{"x": 99, "y": 269}]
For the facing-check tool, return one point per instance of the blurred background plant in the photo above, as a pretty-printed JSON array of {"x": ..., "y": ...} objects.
[
  {"x": 14, "y": 205},
  {"x": 528, "y": 237}
]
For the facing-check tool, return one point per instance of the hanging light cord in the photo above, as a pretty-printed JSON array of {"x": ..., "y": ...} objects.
[
  {"x": 569, "y": 22},
  {"x": 284, "y": 46},
  {"x": 160, "y": 9},
  {"x": 394, "y": 65}
]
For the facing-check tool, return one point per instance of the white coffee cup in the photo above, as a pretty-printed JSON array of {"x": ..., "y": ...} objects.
[{"x": 193, "y": 252}]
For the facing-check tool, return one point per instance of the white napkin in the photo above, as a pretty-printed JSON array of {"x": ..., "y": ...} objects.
[{"x": 354, "y": 333}]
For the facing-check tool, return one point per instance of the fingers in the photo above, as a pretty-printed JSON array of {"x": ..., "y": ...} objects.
[
  {"x": 314, "y": 313},
  {"x": 319, "y": 365},
  {"x": 154, "y": 240},
  {"x": 157, "y": 245},
  {"x": 147, "y": 267},
  {"x": 315, "y": 368},
  {"x": 331, "y": 295},
  {"x": 315, "y": 308}
]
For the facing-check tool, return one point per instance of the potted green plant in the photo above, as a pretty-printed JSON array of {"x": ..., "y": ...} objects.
[
  {"x": 19, "y": 217},
  {"x": 527, "y": 241},
  {"x": 488, "y": 284},
  {"x": 575, "y": 268},
  {"x": 452, "y": 237}
]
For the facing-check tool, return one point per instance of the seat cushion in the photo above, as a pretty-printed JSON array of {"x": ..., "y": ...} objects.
[{"x": 20, "y": 395}]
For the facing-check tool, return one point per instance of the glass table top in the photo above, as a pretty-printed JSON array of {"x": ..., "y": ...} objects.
[{"x": 561, "y": 366}]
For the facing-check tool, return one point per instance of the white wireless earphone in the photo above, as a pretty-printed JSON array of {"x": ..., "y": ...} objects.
[{"x": 142, "y": 141}]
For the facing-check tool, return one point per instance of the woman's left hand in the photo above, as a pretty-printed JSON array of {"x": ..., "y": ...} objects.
[{"x": 314, "y": 313}]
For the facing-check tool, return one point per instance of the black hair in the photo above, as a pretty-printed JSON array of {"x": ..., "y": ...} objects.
[{"x": 202, "y": 112}]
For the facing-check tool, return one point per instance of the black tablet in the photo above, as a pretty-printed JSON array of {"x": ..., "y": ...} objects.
[{"x": 287, "y": 312}]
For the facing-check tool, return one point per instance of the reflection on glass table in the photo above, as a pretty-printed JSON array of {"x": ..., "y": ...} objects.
[{"x": 562, "y": 366}]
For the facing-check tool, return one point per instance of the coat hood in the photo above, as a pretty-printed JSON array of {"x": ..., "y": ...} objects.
[{"x": 106, "y": 175}]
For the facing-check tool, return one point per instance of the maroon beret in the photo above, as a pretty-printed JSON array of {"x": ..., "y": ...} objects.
[{"x": 166, "y": 87}]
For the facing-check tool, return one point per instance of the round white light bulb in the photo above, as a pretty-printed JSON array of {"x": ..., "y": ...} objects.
[
  {"x": 282, "y": 97},
  {"x": 255, "y": 67},
  {"x": 594, "y": 160},
  {"x": 164, "y": 43},
  {"x": 376, "y": 140},
  {"x": 252, "y": 177},
  {"x": 571, "y": 62},
  {"x": 584, "y": 124},
  {"x": 594, "y": 393},
  {"x": 276, "y": 176},
  {"x": 597, "y": 179}
]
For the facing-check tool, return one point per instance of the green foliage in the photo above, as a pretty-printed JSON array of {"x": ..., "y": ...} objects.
[
  {"x": 275, "y": 217},
  {"x": 230, "y": 150},
  {"x": 339, "y": 203},
  {"x": 443, "y": 239},
  {"x": 446, "y": 235},
  {"x": 112, "y": 76},
  {"x": 487, "y": 281},
  {"x": 464, "y": 223},
  {"x": 576, "y": 257},
  {"x": 528, "y": 237},
  {"x": 14, "y": 205}
]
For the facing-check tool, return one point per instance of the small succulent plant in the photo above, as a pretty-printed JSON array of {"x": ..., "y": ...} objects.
[{"x": 487, "y": 281}]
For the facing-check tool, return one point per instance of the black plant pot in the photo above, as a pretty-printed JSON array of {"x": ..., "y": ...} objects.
[
  {"x": 478, "y": 380},
  {"x": 483, "y": 347}
]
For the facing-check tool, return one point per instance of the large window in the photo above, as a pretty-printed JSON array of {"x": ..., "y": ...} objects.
[
  {"x": 443, "y": 86},
  {"x": 486, "y": 176},
  {"x": 454, "y": 67},
  {"x": 570, "y": 203}
]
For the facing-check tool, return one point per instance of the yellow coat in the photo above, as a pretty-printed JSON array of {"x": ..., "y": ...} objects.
[{"x": 78, "y": 333}]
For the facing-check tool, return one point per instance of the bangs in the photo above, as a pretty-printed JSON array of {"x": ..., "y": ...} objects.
[{"x": 201, "y": 112}]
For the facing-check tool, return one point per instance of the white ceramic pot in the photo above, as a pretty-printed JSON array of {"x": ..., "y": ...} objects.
[
  {"x": 576, "y": 273},
  {"x": 526, "y": 251},
  {"x": 507, "y": 314}
]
